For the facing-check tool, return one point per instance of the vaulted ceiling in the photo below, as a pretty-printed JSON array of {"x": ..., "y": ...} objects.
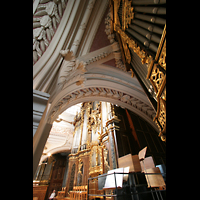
[{"x": 77, "y": 59}]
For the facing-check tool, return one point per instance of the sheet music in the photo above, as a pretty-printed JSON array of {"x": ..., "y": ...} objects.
[
  {"x": 126, "y": 170},
  {"x": 110, "y": 179}
]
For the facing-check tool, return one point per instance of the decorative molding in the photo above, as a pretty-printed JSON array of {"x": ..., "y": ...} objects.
[
  {"x": 116, "y": 50},
  {"x": 106, "y": 51},
  {"x": 45, "y": 70},
  {"x": 122, "y": 14},
  {"x": 127, "y": 14},
  {"x": 70, "y": 68},
  {"x": 157, "y": 76},
  {"x": 96, "y": 58},
  {"x": 103, "y": 92},
  {"x": 46, "y": 18},
  {"x": 82, "y": 27}
]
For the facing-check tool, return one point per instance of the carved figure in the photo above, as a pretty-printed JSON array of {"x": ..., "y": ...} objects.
[
  {"x": 71, "y": 69},
  {"x": 67, "y": 65}
]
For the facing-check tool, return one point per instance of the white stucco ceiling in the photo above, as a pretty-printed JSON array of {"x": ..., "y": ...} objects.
[{"x": 61, "y": 134}]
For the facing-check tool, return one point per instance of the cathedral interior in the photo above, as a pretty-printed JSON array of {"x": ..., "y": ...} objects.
[{"x": 99, "y": 99}]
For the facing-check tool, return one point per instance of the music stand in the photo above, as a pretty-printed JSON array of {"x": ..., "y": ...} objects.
[{"x": 114, "y": 180}]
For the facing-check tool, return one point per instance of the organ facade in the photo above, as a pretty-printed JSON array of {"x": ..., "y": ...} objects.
[{"x": 94, "y": 149}]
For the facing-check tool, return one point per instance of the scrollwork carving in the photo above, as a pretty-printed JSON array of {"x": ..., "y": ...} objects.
[
  {"x": 160, "y": 118},
  {"x": 109, "y": 31},
  {"x": 127, "y": 14},
  {"x": 156, "y": 78},
  {"x": 71, "y": 69},
  {"x": 163, "y": 56},
  {"x": 114, "y": 94}
]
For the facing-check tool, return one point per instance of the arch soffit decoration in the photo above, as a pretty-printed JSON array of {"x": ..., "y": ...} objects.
[
  {"x": 103, "y": 83},
  {"x": 98, "y": 92}
]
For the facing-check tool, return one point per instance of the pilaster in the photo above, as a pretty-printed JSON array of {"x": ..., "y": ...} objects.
[
  {"x": 41, "y": 128},
  {"x": 82, "y": 27},
  {"x": 39, "y": 104}
]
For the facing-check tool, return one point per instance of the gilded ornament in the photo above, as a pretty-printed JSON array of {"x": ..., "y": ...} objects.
[
  {"x": 127, "y": 14},
  {"x": 156, "y": 77},
  {"x": 116, "y": 17},
  {"x": 163, "y": 56},
  {"x": 160, "y": 118}
]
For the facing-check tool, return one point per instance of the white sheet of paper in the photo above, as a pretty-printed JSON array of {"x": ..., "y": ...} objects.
[
  {"x": 110, "y": 179},
  {"x": 126, "y": 170}
]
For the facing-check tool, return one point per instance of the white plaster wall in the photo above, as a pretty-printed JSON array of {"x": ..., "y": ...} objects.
[{"x": 39, "y": 104}]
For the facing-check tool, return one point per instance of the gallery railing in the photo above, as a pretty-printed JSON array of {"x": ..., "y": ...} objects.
[{"x": 132, "y": 189}]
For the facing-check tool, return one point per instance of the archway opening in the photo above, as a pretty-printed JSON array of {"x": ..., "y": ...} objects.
[
  {"x": 61, "y": 135},
  {"x": 95, "y": 134}
]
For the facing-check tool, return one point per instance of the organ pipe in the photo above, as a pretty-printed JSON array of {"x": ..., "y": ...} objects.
[
  {"x": 148, "y": 2},
  {"x": 150, "y": 18}
]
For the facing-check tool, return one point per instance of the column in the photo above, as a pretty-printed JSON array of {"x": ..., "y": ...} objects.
[
  {"x": 73, "y": 144},
  {"x": 39, "y": 104},
  {"x": 65, "y": 173},
  {"x": 113, "y": 151},
  {"x": 85, "y": 129},
  {"x": 104, "y": 113},
  {"x": 112, "y": 154},
  {"x": 82, "y": 27},
  {"x": 41, "y": 128},
  {"x": 78, "y": 137},
  {"x": 40, "y": 138}
]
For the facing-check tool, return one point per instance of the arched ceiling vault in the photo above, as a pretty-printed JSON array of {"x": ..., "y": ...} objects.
[
  {"x": 103, "y": 83},
  {"x": 76, "y": 67}
]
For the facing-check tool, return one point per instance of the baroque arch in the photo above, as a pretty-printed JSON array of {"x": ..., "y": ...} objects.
[
  {"x": 103, "y": 83},
  {"x": 104, "y": 94},
  {"x": 54, "y": 151},
  {"x": 105, "y": 91},
  {"x": 82, "y": 80},
  {"x": 85, "y": 77}
]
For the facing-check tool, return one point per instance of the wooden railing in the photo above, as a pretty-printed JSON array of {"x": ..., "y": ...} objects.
[{"x": 79, "y": 192}]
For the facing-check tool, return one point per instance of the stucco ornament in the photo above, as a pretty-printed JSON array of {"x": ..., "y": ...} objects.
[
  {"x": 46, "y": 18},
  {"x": 71, "y": 68}
]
